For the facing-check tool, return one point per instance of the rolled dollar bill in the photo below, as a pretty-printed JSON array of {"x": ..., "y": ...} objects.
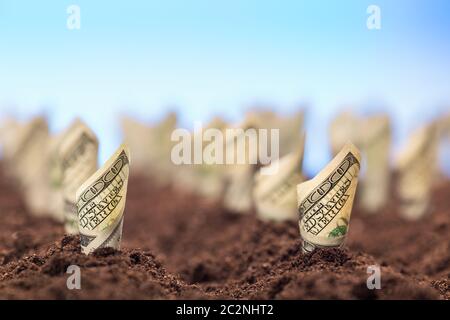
[
  {"x": 163, "y": 170},
  {"x": 77, "y": 157},
  {"x": 259, "y": 118},
  {"x": 443, "y": 135},
  {"x": 27, "y": 162},
  {"x": 443, "y": 126},
  {"x": 325, "y": 202},
  {"x": 376, "y": 142},
  {"x": 275, "y": 195},
  {"x": 203, "y": 180},
  {"x": 101, "y": 203},
  {"x": 136, "y": 135},
  {"x": 208, "y": 178},
  {"x": 289, "y": 127},
  {"x": 238, "y": 195},
  {"x": 344, "y": 127},
  {"x": 151, "y": 147},
  {"x": 416, "y": 167},
  {"x": 55, "y": 200},
  {"x": 27, "y": 145},
  {"x": 9, "y": 129}
]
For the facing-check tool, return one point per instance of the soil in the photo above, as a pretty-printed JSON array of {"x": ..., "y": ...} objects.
[{"x": 179, "y": 246}]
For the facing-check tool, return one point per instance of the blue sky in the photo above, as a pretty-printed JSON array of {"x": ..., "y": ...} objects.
[{"x": 204, "y": 58}]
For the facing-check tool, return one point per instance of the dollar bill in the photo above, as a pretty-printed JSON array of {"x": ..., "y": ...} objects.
[
  {"x": 163, "y": 170},
  {"x": 443, "y": 136},
  {"x": 101, "y": 203},
  {"x": 289, "y": 127},
  {"x": 136, "y": 135},
  {"x": 376, "y": 143},
  {"x": 77, "y": 160},
  {"x": 205, "y": 180},
  {"x": 259, "y": 118},
  {"x": 238, "y": 195},
  {"x": 55, "y": 199},
  {"x": 28, "y": 143},
  {"x": 209, "y": 177},
  {"x": 416, "y": 166},
  {"x": 27, "y": 162},
  {"x": 344, "y": 127},
  {"x": 9, "y": 129},
  {"x": 325, "y": 202},
  {"x": 275, "y": 195},
  {"x": 151, "y": 147}
]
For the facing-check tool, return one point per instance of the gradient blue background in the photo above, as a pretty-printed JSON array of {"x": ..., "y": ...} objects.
[{"x": 204, "y": 58}]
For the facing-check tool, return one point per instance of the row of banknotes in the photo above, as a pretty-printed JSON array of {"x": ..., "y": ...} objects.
[
  {"x": 59, "y": 174},
  {"x": 242, "y": 187}
]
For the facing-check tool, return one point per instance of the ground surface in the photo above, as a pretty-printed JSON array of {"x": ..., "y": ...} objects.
[{"x": 176, "y": 246}]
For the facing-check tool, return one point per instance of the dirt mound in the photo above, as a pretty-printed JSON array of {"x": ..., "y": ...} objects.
[{"x": 106, "y": 274}]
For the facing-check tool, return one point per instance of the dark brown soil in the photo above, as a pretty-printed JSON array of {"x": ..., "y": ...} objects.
[{"x": 179, "y": 246}]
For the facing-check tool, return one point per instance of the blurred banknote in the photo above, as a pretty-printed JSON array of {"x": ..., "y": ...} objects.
[
  {"x": 151, "y": 146},
  {"x": 27, "y": 158},
  {"x": 416, "y": 166},
  {"x": 275, "y": 195},
  {"x": 77, "y": 157},
  {"x": 376, "y": 142},
  {"x": 343, "y": 128}
]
